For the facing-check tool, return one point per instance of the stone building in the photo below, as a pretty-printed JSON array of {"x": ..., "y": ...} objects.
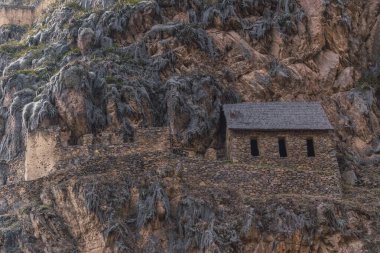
[{"x": 289, "y": 134}]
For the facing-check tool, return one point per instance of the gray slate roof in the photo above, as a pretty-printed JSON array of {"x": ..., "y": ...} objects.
[{"x": 277, "y": 116}]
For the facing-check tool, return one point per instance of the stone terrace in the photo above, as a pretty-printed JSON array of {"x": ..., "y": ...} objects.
[
  {"x": 143, "y": 157},
  {"x": 198, "y": 175}
]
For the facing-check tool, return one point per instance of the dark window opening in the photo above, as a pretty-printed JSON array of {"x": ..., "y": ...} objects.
[
  {"x": 254, "y": 148},
  {"x": 282, "y": 147},
  {"x": 72, "y": 141},
  {"x": 310, "y": 148}
]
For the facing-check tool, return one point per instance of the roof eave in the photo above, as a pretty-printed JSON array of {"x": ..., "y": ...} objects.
[{"x": 281, "y": 129}]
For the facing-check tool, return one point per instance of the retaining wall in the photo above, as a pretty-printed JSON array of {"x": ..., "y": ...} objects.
[
  {"x": 203, "y": 176},
  {"x": 258, "y": 181}
]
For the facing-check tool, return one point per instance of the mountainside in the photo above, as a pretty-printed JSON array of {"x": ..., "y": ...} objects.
[{"x": 95, "y": 66}]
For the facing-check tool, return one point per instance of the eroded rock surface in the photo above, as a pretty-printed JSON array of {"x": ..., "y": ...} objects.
[
  {"x": 92, "y": 66},
  {"x": 114, "y": 205}
]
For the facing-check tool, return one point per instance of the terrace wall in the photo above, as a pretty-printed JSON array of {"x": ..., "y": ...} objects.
[{"x": 259, "y": 181}]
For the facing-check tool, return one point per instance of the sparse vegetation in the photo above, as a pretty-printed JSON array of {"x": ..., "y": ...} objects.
[
  {"x": 129, "y": 2},
  {"x": 74, "y": 6},
  {"x": 175, "y": 63},
  {"x": 368, "y": 81}
]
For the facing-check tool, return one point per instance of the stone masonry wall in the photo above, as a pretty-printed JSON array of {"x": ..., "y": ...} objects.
[
  {"x": 17, "y": 15},
  {"x": 48, "y": 148},
  {"x": 146, "y": 140},
  {"x": 204, "y": 177},
  {"x": 22, "y": 15},
  {"x": 258, "y": 181},
  {"x": 41, "y": 153},
  {"x": 239, "y": 149},
  {"x": 16, "y": 170},
  {"x": 149, "y": 154}
]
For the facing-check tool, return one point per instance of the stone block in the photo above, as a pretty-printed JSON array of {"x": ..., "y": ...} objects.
[{"x": 211, "y": 154}]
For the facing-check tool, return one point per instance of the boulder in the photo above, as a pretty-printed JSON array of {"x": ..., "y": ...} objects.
[
  {"x": 86, "y": 39},
  {"x": 349, "y": 177},
  {"x": 211, "y": 154}
]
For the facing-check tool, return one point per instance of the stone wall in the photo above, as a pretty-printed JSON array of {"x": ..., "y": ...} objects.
[
  {"x": 258, "y": 181},
  {"x": 41, "y": 154},
  {"x": 46, "y": 149},
  {"x": 207, "y": 177},
  {"x": 239, "y": 149},
  {"x": 23, "y": 15},
  {"x": 149, "y": 154},
  {"x": 4, "y": 169},
  {"x": 17, "y": 15},
  {"x": 16, "y": 170},
  {"x": 154, "y": 138},
  {"x": 111, "y": 144}
]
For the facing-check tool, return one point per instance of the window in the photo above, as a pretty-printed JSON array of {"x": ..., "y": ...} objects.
[
  {"x": 254, "y": 148},
  {"x": 310, "y": 147},
  {"x": 282, "y": 147}
]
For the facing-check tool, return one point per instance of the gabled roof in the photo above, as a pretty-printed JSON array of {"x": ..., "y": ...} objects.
[{"x": 277, "y": 116}]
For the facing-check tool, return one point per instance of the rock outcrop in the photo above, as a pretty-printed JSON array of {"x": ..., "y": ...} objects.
[{"x": 94, "y": 66}]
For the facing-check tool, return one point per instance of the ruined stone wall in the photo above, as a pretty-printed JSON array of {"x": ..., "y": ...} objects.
[
  {"x": 4, "y": 168},
  {"x": 46, "y": 149},
  {"x": 17, "y": 15},
  {"x": 239, "y": 149},
  {"x": 16, "y": 170},
  {"x": 155, "y": 138},
  {"x": 23, "y": 15},
  {"x": 41, "y": 153}
]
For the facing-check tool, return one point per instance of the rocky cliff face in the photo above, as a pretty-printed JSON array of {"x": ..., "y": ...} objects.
[
  {"x": 158, "y": 63},
  {"x": 88, "y": 68},
  {"x": 128, "y": 204}
]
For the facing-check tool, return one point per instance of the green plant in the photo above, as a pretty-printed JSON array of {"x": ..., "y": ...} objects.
[
  {"x": 11, "y": 47},
  {"x": 74, "y": 6},
  {"x": 207, "y": 3},
  {"x": 43, "y": 207},
  {"x": 74, "y": 51},
  {"x": 111, "y": 79},
  {"x": 368, "y": 81},
  {"x": 16, "y": 49},
  {"x": 129, "y": 2}
]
